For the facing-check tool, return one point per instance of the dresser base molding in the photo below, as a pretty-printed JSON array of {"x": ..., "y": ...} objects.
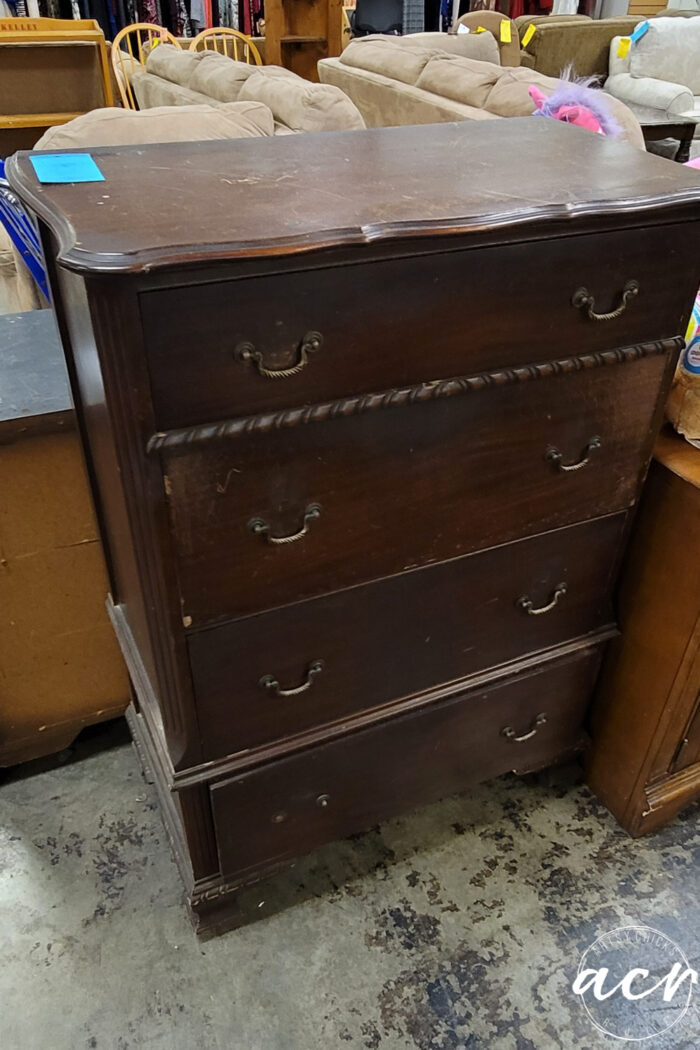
[
  {"x": 223, "y": 900},
  {"x": 221, "y": 904}
]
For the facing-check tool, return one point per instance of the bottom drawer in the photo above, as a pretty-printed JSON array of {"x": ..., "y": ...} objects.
[{"x": 288, "y": 808}]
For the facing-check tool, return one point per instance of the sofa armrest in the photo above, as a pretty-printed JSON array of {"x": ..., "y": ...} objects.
[
  {"x": 616, "y": 64},
  {"x": 646, "y": 91}
]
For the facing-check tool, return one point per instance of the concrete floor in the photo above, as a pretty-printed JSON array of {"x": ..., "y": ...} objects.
[{"x": 458, "y": 926}]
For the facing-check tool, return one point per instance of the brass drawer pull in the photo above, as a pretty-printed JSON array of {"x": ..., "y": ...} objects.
[
  {"x": 526, "y": 604},
  {"x": 310, "y": 344},
  {"x": 269, "y": 683},
  {"x": 553, "y": 455},
  {"x": 259, "y": 527},
  {"x": 509, "y": 732},
  {"x": 583, "y": 300}
]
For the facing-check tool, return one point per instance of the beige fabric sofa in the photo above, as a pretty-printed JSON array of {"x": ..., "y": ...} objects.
[
  {"x": 575, "y": 40},
  {"x": 185, "y": 78},
  {"x": 662, "y": 69},
  {"x": 396, "y": 81},
  {"x": 122, "y": 127}
]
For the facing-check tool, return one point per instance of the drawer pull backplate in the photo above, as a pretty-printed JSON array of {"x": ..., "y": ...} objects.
[
  {"x": 525, "y": 603},
  {"x": 553, "y": 455},
  {"x": 310, "y": 344},
  {"x": 270, "y": 684},
  {"x": 583, "y": 300},
  {"x": 509, "y": 733},
  {"x": 259, "y": 527}
]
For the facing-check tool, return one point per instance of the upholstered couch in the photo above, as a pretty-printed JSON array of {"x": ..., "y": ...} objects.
[
  {"x": 185, "y": 78},
  {"x": 395, "y": 81},
  {"x": 662, "y": 69},
  {"x": 576, "y": 40},
  {"x": 491, "y": 22}
]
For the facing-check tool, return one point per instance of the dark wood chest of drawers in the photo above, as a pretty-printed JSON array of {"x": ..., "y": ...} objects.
[{"x": 366, "y": 415}]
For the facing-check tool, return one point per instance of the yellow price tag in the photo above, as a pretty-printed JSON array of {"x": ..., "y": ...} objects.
[
  {"x": 505, "y": 32},
  {"x": 480, "y": 29},
  {"x": 529, "y": 33},
  {"x": 623, "y": 47}
]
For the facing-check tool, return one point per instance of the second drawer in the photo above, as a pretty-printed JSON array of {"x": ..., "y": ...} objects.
[
  {"x": 275, "y": 675},
  {"x": 264, "y": 520}
]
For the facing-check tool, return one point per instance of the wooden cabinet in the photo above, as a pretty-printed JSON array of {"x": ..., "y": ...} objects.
[
  {"x": 61, "y": 667},
  {"x": 645, "y": 759},
  {"x": 364, "y": 456}
]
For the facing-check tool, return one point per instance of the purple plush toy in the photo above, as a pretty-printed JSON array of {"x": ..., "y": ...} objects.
[{"x": 577, "y": 102}]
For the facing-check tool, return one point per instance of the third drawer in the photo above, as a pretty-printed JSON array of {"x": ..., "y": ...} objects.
[{"x": 279, "y": 674}]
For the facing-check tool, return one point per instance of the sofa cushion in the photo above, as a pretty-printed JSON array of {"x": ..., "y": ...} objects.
[
  {"x": 669, "y": 50},
  {"x": 123, "y": 127},
  {"x": 152, "y": 91},
  {"x": 510, "y": 96},
  {"x": 460, "y": 79},
  {"x": 479, "y": 46},
  {"x": 384, "y": 55},
  {"x": 170, "y": 63},
  {"x": 220, "y": 77},
  {"x": 303, "y": 106}
]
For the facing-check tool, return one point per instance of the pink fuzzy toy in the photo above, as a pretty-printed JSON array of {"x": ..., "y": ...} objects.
[{"x": 576, "y": 102}]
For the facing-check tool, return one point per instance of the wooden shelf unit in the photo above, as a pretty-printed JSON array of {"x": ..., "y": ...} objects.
[
  {"x": 48, "y": 61},
  {"x": 300, "y": 32}
]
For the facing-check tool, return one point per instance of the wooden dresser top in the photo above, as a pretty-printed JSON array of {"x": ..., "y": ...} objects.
[{"x": 184, "y": 203}]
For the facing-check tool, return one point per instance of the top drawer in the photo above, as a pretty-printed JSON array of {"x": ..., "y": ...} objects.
[{"x": 404, "y": 321}]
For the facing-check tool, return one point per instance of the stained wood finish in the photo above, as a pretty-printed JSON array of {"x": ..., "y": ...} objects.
[
  {"x": 398, "y": 637},
  {"x": 469, "y": 467},
  {"x": 296, "y": 194},
  {"x": 452, "y": 360},
  {"x": 381, "y": 329},
  {"x": 645, "y": 759},
  {"x": 282, "y": 811}
]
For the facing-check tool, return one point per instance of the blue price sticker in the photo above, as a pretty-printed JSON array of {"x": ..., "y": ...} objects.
[{"x": 66, "y": 167}]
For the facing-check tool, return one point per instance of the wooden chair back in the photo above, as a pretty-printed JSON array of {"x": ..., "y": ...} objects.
[
  {"x": 228, "y": 42},
  {"x": 130, "y": 49}
]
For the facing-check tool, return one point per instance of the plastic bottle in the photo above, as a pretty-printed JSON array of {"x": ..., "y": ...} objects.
[{"x": 683, "y": 407}]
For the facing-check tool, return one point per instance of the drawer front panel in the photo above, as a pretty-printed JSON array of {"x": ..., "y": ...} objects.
[
  {"x": 400, "y": 488},
  {"x": 369, "y": 646},
  {"x": 291, "y": 806},
  {"x": 403, "y": 322}
]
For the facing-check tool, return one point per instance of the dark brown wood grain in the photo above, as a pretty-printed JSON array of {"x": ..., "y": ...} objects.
[
  {"x": 400, "y": 636},
  {"x": 377, "y": 333},
  {"x": 278, "y": 812},
  {"x": 297, "y": 194},
  {"x": 403, "y": 488}
]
